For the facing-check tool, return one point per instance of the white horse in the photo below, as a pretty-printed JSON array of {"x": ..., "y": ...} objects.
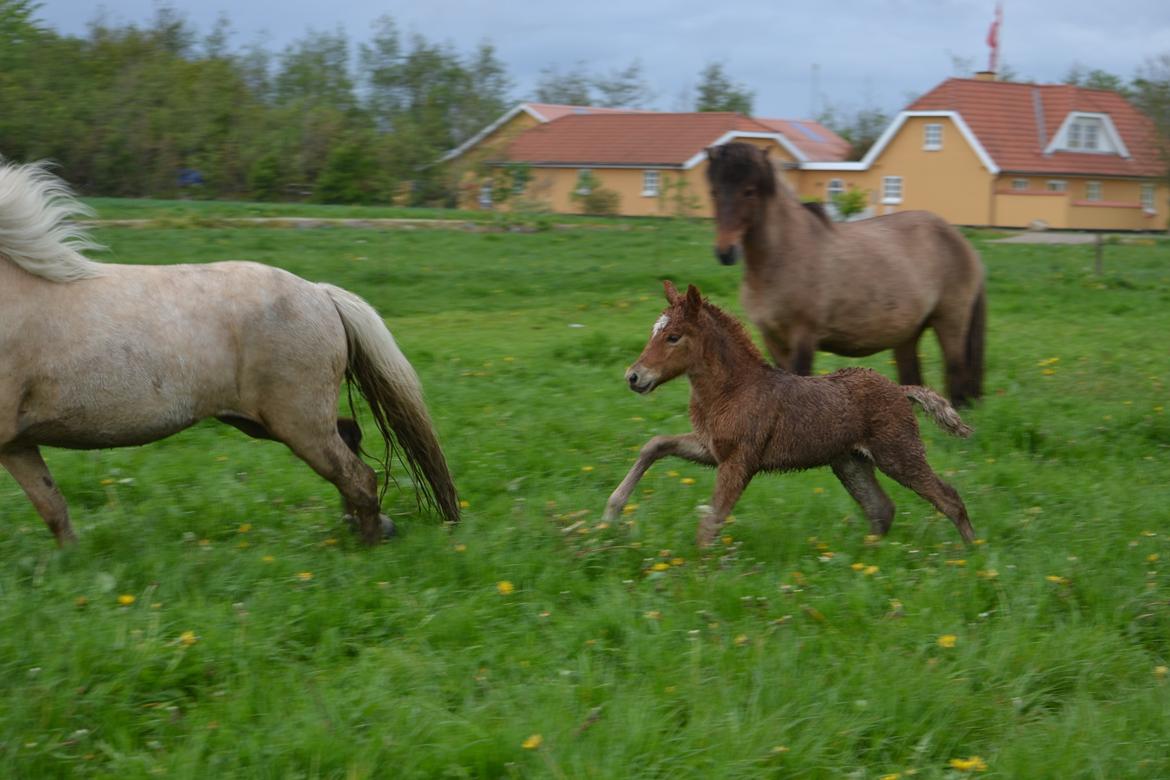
[{"x": 96, "y": 355}]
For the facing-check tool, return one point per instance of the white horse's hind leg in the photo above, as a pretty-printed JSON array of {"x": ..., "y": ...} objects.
[{"x": 29, "y": 470}]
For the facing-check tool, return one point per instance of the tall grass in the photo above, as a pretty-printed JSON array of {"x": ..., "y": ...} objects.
[{"x": 263, "y": 641}]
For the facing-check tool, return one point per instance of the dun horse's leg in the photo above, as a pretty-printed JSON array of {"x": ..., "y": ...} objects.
[
  {"x": 731, "y": 479},
  {"x": 856, "y": 474},
  {"x": 952, "y": 340},
  {"x": 906, "y": 462},
  {"x": 906, "y": 356},
  {"x": 686, "y": 446},
  {"x": 29, "y": 470},
  {"x": 778, "y": 349}
]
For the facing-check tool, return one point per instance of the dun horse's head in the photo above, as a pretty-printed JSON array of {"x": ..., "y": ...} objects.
[
  {"x": 742, "y": 180},
  {"x": 672, "y": 341}
]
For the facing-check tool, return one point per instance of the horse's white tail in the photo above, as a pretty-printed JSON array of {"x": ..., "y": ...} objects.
[
  {"x": 938, "y": 409},
  {"x": 35, "y": 228},
  {"x": 390, "y": 386}
]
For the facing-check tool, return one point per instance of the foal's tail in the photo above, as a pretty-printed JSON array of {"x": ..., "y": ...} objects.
[
  {"x": 938, "y": 409},
  {"x": 391, "y": 387}
]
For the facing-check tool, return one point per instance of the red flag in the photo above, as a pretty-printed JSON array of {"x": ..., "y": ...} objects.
[{"x": 993, "y": 37}]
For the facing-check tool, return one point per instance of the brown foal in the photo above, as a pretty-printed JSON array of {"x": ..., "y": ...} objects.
[{"x": 749, "y": 417}]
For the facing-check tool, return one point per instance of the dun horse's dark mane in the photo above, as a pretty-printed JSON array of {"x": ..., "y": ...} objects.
[
  {"x": 818, "y": 210},
  {"x": 738, "y": 162}
]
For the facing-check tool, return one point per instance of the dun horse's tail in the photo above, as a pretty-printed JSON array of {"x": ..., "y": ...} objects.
[
  {"x": 36, "y": 231},
  {"x": 976, "y": 335},
  {"x": 390, "y": 386},
  {"x": 938, "y": 409}
]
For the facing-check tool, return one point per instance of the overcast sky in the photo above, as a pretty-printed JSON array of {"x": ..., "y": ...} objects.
[{"x": 880, "y": 52}]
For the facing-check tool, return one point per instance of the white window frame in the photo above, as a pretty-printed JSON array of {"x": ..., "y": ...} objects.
[
  {"x": 1056, "y": 185},
  {"x": 932, "y": 137},
  {"x": 1019, "y": 185},
  {"x": 651, "y": 183},
  {"x": 892, "y": 190},
  {"x": 1148, "y": 198},
  {"x": 833, "y": 188},
  {"x": 1093, "y": 191},
  {"x": 579, "y": 188},
  {"x": 485, "y": 195},
  {"x": 1087, "y": 133}
]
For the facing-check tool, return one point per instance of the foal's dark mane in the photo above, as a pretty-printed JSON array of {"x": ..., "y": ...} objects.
[{"x": 735, "y": 331}]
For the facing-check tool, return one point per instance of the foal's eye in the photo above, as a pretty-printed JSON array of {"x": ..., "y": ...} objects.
[{"x": 673, "y": 338}]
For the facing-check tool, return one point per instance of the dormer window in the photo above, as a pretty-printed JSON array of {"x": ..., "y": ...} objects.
[{"x": 1088, "y": 133}]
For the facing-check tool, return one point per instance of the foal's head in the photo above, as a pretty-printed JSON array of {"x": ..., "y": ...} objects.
[
  {"x": 674, "y": 341},
  {"x": 741, "y": 179}
]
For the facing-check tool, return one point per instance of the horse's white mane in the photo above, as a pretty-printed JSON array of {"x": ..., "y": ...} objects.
[{"x": 35, "y": 228}]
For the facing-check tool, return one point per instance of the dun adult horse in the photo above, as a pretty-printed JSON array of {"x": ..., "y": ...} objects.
[
  {"x": 749, "y": 417},
  {"x": 853, "y": 289},
  {"x": 97, "y": 355}
]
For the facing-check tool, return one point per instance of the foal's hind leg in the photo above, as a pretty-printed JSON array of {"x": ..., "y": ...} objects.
[
  {"x": 856, "y": 474},
  {"x": 29, "y": 470},
  {"x": 905, "y": 461}
]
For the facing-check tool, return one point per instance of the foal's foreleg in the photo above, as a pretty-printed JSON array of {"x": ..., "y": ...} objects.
[
  {"x": 731, "y": 479},
  {"x": 686, "y": 446},
  {"x": 29, "y": 470}
]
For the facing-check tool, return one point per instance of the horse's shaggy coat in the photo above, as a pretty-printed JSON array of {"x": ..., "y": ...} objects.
[
  {"x": 854, "y": 288},
  {"x": 749, "y": 417},
  {"x": 99, "y": 355}
]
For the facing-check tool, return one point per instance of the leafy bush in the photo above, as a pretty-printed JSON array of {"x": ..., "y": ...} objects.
[{"x": 851, "y": 201}]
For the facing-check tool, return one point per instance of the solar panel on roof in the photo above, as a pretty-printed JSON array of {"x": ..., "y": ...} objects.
[{"x": 809, "y": 132}]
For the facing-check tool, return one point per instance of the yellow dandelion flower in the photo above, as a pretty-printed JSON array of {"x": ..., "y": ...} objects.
[
  {"x": 329, "y": 542},
  {"x": 461, "y": 547},
  {"x": 672, "y": 473},
  {"x": 629, "y": 509},
  {"x": 505, "y": 588},
  {"x": 780, "y": 750},
  {"x": 126, "y": 599},
  {"x": 872, "y": 538},
  {"x": 1056, "y": 578},
  {"x": 677, "y": 561},
  {"x": 244, "y": 528},
  {"x": 1048, "y": 371},
  {"x": 858, "y": 566},
  {"x": 304, "y": 576},
  {"x": 972, "y": 764},
  {"x": 987, "y": 574},
  {"x": 870, "y": 570},
  {"x": 891, "y": 776},
  {"x": 533, "y": 742},
  {"x": 687, "y": 480},
  {"x": 959, "y": 562},
  {"x": 188, "y": 638},
  {"x": 653, "y": 615},
  {"x": 660, "y": 566},
  {"x": 80, "y": 601},
  {"x": 741, "y": 640},
  {"x": 464, "y": 503},
  {"x": 818, "y": 491},
  {"x": 947, "y": 640},
  {"x": 602, "y": 525},
  {"x": 267, "y": 558},
  {"x": 587, "y": 468},
  {"x": 1161, "y": 671},
  {"x": 1152, "y": 558},
  {"x": 727, "y": 539}
]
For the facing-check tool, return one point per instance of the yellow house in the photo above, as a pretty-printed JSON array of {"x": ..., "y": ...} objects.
[
  {"x": 573, "y": 159},
  {"x": 985, "y": 152}
]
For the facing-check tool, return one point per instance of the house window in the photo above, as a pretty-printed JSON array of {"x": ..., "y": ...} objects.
[
  {"x": 1148, "y": 198},
  {"x": 891, "y": 189},
  {"x": 485, "y": 195},
  {"x": 932, "y": 137},
  {"x": 834, "y": 188},
  {"x": 1092, "y": 190},
  {"x": 1019, "y": 185},
  {"x": 651, "y": 183},
  {"x": 1084, "y": 134},
  {"x": 1056, "y": 185},
  {"x": 584, "y": 181}
]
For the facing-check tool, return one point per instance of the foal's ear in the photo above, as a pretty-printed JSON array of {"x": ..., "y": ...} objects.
[
  {"x": 672, "y": 293},
  {"x": 694, "y": 300}
]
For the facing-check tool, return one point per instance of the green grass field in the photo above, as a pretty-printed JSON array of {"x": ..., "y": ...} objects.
[{"x": 262, "y": 641}]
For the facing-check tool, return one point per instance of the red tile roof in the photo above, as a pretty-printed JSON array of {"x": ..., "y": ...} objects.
[
  {"x": 639, "y": 139},
  {"x": 1016, "y": 122},
  {"x": 817, "y": 142}
]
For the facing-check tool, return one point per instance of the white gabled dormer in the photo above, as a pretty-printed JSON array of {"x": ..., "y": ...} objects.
[{"x": 1088, "y": 133}]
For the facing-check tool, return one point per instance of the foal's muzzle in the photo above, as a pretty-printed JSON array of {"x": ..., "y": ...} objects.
[
  {"x": 729, "y": 255},
  {"x": 639, "y": 383}
]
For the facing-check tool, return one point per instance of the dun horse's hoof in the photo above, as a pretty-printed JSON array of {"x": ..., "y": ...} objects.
[{"x": 388, "y": 529}]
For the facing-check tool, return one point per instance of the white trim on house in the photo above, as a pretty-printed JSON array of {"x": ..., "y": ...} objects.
[
  {"x": 731, "y": 135},
  {"x": 496, "y": 125},
  {"x": 1059, "y": 141},
  {"x": 932, "y": 144},
  {"x": 884, "y": 140}
]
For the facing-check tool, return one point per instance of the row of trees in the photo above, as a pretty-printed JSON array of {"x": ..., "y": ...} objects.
[{"x": 132, "y": 111}]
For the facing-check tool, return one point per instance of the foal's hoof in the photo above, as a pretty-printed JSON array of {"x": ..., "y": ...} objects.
[{"x": 388, "y": 529}]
